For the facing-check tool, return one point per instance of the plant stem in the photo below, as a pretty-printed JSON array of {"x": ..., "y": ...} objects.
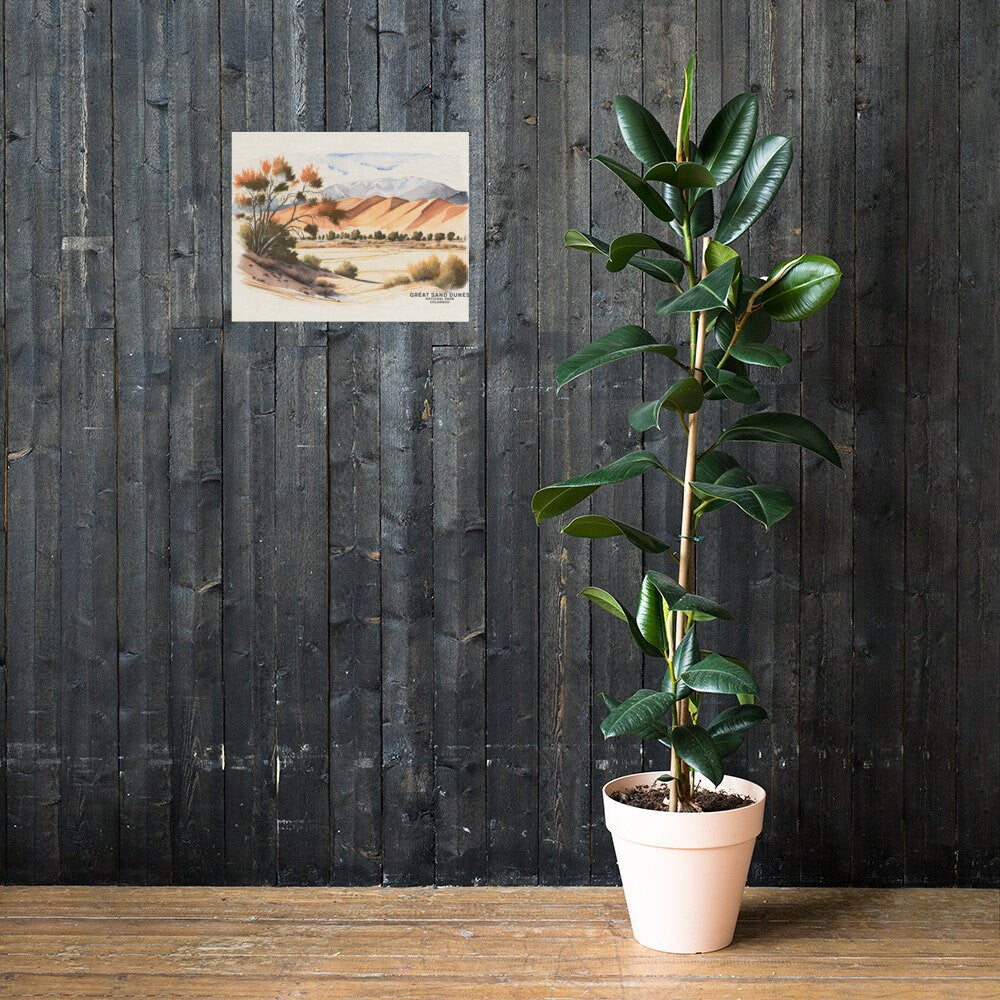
[{"x": 686, "y": 562}]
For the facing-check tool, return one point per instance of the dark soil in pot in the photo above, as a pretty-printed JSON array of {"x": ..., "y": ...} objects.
[{"x": 655, "y": 797}]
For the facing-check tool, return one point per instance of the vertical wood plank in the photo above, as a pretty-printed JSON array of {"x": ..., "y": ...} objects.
[
  {"x": 88, "y": 750},
  {"x": 88, "y": 779},
  {"x": 978, "y": 751},
  {"x": 511, "y": 443},
  {"x": 459, "y": 614},
  {"x": 616, "y": 299},
  {"x": 193, "y": 116},
  {"x": 33, "y": 438},
  {"x": 931, "y": 422},
  {"x": 248, "y": 486},
  {"x": 196, "y": 711},
  {"x": 355, "y": 524},
  {"x": 564, "y": 440},
  {"x": 828, "y": 363},
  {"x": 141, "y": 256},
  {"x": 878, "y": 784},
  {"x": 460, "y": 821},
  {"x": 772, "y": 589},
  {"x": 301, "y": 509},
  {"x": 407, "y": 505},
  {"x": 87, "y": 286}
]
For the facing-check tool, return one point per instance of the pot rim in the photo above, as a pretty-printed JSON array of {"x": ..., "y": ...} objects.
[{"x": 760, "y": 797}]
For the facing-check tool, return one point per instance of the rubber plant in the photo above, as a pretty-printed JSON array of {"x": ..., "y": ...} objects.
[{"x": 708, "y": 292}]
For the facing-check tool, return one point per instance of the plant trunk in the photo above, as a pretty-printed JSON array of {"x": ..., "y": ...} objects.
[{"x": 680, "y": 786}]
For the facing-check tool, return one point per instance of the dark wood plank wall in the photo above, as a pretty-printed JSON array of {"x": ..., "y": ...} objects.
[{"x": 274, "y": 607}]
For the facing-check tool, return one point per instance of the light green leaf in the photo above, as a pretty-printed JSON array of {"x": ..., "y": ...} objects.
[
  {"x": 728, "y": 138},
  {"x": 804, "y": 289},
  {"x": 717, "y": 254},
  {"x": 642, "y": 133},
  {"x": 594, "y": 526},
  {"x": 584, "y": 241},
  {"x": 650, "y": 615},
  {"x": 550, "y": 501},
  {"x": 643, "y": 191},
  {"x": 717, "y": 675},
  {"x": 783, "y": 428},
  {"x": 624, "y": 342},
  {"x": 767, "y": 504},
  {"x": 712, "y": 292},
  {"x": 684, "y": 118},
  {"x": 684, "y": 396},
  {"x": 694, "y": 746},
  {"x": 762, "y": 175}
]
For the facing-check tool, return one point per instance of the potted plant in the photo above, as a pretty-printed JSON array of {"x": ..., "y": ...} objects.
[{"x": 684, "y": 838}]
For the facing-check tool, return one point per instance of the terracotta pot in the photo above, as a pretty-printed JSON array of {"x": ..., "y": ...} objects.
[{"x": 683, "y": 873}]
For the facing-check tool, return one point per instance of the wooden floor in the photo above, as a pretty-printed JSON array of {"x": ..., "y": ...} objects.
[{"x": 484, "y": 943}]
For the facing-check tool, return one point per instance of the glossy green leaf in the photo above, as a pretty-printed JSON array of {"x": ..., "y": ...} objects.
[
  {"x": 584, "y": 241},
  {"x": 643, "y": 191},
  {"x": 681, "y": 175},
  {"x": 695, "y": 747},
  {"x": 684, "y": 118},
  {"x": 767, "y": 504},
  {"x": 712, "y": 292},
  {"x": 783, "y": 428},
  {"x": 610, "y": 604},
  {"x": 717, "y": 675},
  {"x": 716, "y": 254},
  {"x": 732, "y": 386},
  {"x": 762, "y": 175},
  {"x": 679, "y": 599},
  {"x": 642, "y": 133},
  {"x": 729, "y": 136},
  {"x": 650, "y": 615},
  {"x": 684, "y": 396},
  {"x": 702, "y": 214},
  {"x": 662, "y": 304},
  {"x": 686, "y": 656},
  {"x": 736, "y": 720},
  {"x": 765, "y": 355},
  {"x": 730, "y": 474},
  {"x": 624, "y": 248},
  {"x": 595, "y": 526},
  {"x": 756, "y": 329},
  {"x": 661, "y": 269},
  {"x": 550, "y": 501},
  {"x": 636, "y": 713},
  {"x": 624, "y": 342},
  {"x": 654, "y": 731},
  {"x": 804, "y": 289}
]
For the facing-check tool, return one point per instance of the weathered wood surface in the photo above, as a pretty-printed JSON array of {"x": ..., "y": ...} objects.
[
  {"x": 274, "y": 606},
  {"x": 493, "y": 943}
]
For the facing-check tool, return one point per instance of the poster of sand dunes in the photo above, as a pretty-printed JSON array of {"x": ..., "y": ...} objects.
[{"x": 350, "y": 227}]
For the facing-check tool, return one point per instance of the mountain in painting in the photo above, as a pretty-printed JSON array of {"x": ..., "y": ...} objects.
[{"x": 407, "y": 188}]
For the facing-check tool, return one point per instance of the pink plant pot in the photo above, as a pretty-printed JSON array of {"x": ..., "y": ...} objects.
[{"x": 683, "y": 873}]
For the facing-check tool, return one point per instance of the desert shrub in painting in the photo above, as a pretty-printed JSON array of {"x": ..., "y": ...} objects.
[
  {"x": 273, "y": 200},
  {"x": 425, "y": 270},
  {"x": 311, "y": 259},
  {"x": 454, "y": 273},
  {"x": 396, "y": 279},
  {"x": 346, "y": 269}
]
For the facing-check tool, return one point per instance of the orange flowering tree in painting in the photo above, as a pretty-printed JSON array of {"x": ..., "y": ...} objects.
[{"x": 274, "y": 203}]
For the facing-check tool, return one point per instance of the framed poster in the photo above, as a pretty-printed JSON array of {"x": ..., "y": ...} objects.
[{"x": 349, "y": 227}]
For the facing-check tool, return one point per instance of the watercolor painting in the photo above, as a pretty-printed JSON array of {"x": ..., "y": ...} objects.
[{"x": 350, "y": 227}]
